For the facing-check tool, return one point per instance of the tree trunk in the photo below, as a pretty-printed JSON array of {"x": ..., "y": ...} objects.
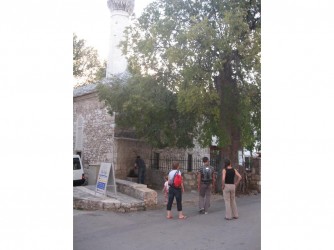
[{"x": 229, "y": 111}]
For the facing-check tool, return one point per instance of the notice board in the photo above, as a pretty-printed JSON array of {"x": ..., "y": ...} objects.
[{"x": 105, "y": 178}]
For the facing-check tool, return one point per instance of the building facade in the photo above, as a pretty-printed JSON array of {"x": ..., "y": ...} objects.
[{"x": 97, "y": 139}]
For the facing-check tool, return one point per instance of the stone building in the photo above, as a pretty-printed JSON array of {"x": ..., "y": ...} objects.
[
  {"x": 95, "y": 136},
  {"x": 97, "y": 139}
]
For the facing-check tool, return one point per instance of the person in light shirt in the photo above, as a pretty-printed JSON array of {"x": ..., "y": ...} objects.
[
  {"x": 165, "y": 189},
  {"x": 175, "y": 192}
]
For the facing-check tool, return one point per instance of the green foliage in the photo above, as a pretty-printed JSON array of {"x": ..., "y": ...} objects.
[
  {"x": 204, "y": 55},
  {"x": 149, "y": 109},
  {"x": 87, "y": 67}
]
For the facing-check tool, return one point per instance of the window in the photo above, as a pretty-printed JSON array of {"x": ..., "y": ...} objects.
[
  {"x": 247, "y": 163},
  {"x": 76, "y": 164},
  {"x": 156, "y": 158},
  {"x": 190, "y": 163}
]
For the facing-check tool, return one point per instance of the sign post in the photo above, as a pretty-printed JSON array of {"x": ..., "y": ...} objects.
[
  {"x": 240, "y": 158},
  {"x": 104, "y": 179}
]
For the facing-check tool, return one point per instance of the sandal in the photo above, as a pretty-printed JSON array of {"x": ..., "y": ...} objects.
[
  {"x": 183, "y": 217},
  {"x": 169, "y": 217}
]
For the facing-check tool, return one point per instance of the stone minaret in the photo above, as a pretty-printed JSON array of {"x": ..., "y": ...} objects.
[{"x": 120, "y": 12}]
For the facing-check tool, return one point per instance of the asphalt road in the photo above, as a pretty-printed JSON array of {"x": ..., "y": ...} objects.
[{"x": 150, "y": 230}]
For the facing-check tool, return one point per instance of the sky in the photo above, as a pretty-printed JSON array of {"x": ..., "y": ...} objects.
[{"x": 92, "y": 19}]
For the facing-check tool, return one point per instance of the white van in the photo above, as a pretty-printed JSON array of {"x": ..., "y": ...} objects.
[{"x": 78, "y": 173}]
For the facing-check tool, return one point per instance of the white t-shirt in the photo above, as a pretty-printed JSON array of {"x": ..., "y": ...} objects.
[
  {"x": 171, "y": 175},
  {"x": 166, "y": 185}
]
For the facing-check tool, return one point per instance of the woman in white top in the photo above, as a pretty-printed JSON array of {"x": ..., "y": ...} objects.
[{"x": 175, "y": 192}]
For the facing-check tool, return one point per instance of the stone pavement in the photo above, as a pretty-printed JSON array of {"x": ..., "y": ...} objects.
[
  {"x": 150, "y": 230},
  {"x": 188, "y": 198}
]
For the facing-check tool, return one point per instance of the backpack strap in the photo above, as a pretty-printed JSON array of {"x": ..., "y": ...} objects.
[{"x": 175, "y": 174}]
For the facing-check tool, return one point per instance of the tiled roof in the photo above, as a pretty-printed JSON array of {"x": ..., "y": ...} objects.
[
  {"x": 90, "y": 88},
  {"x": 83, "y": 90}
]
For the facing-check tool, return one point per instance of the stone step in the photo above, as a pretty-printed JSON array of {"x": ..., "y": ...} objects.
[{"x": 85, "y": 198}]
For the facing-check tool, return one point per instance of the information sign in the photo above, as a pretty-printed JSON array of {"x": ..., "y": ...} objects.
[{"x": 103, "y": 178}]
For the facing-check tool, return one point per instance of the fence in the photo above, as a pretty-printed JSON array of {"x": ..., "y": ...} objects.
[
  {"x": 250, "y": 176},
  {"x": 187, "y": 164}
]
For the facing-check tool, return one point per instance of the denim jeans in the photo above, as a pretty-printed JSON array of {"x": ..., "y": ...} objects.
[{"x": 141, "y": 175}]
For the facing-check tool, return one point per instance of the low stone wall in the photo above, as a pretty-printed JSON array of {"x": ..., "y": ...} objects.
[
  {"x": 156, "y": 179},
  {"x": 190, "y": 181},
  {"x": 139, "y": 191},
  {"x": 254, "y": 182},
  {"x": 85, "y": 198},
  {"x": 254, "y": 176}
]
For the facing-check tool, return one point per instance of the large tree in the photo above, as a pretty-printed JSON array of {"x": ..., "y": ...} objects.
[
  {"x": 87, "y": 67},
  {"x": 206, "y": 53},
  {"x": 150, "y": 109}
]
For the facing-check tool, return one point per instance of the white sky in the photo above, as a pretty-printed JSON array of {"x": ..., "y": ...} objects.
[{"x": 91, "y": 22}]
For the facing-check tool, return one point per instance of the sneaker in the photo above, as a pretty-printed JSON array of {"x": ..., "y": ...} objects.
[
  {"x": 201, "y": 211},
  {"x": 206, "y": 213}
]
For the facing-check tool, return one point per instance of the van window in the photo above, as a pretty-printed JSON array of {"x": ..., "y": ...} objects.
[{"x": 76, "y": 164}]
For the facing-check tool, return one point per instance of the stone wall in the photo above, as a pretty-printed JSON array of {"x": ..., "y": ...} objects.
[
  {"x": 93, "y": 136},
  {"x": 157, "y": 180},
  {"x": 190, "y": 181},
  {"x": 98, "y": 144},
  {"x": 126, "y": 153},
  {"x": 139, "y": 191},
  {"x": 254, "y": 176},
  {"x": 155, "y": 177},
  {"x": 176, "y": 153},
  {"x": 97, "y": 135}
]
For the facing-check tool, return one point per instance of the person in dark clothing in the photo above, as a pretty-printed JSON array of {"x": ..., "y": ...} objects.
[
  {"x": 229, "y": 188},
  {"x": 140, "y": 165}
]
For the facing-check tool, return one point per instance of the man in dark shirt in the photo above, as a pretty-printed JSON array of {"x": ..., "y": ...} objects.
[
  {"x": 140, "y": 164},
  {"x": 205, "y": 180}
]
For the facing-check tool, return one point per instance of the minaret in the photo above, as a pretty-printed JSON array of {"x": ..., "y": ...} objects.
[{"x": 120, "y": 12}]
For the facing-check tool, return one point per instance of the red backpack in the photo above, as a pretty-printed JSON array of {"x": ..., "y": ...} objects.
[{"x": 177, "y": 180}]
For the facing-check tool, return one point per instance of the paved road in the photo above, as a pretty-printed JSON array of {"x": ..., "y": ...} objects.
[{"x": 150, "y": 230}]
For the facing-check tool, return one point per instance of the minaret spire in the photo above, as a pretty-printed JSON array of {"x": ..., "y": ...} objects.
[{"x": 120, "y": 12}]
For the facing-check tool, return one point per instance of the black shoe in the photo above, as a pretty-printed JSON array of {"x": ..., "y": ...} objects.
[{"x": 201, "y": 211}]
